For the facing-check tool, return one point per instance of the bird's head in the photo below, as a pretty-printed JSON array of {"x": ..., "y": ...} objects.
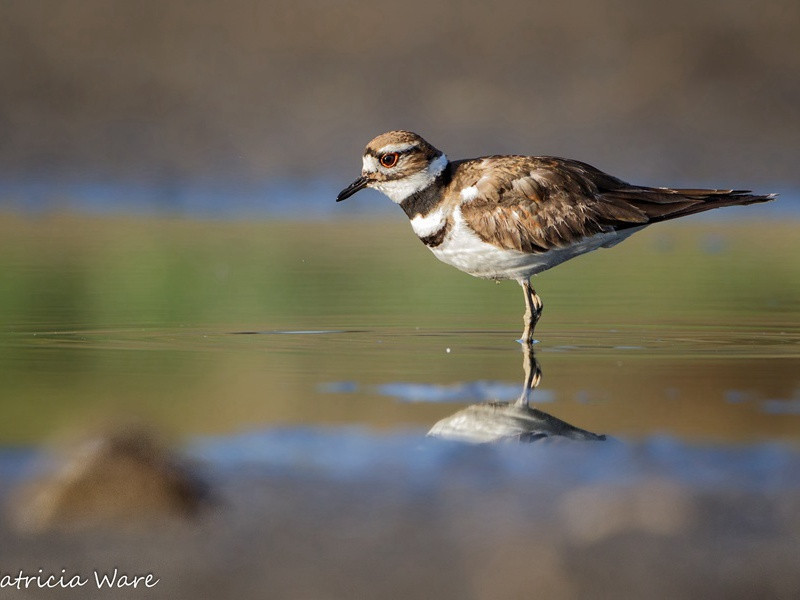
[{"x": 397, "y": 163}]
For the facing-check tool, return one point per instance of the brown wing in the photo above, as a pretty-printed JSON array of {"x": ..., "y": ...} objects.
[{"x": 558, "y": 201}]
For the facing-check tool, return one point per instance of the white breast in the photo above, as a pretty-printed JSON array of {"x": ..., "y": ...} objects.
[{"x": 463, "y": 249}]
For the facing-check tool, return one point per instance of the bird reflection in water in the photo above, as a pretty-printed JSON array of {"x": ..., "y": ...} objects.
[{"x": 510, "y": 421}]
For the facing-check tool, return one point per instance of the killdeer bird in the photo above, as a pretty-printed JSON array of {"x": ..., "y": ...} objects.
[{"x": 510, "y": 217}]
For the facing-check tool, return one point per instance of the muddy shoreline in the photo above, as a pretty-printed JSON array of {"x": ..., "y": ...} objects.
[{"x": 347, "y": 513}]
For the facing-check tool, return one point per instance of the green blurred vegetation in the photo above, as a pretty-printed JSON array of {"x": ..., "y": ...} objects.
[
  {"x": 108, "y": 316},
  {"x": 62, "y": 272}
]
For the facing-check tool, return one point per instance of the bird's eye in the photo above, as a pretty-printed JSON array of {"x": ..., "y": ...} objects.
[{"x": 389, "y": 159}]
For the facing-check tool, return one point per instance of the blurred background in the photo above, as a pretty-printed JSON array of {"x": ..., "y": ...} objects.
[
  {"x": 173, "y": 268},
  {"x": 235, "y": 107}
]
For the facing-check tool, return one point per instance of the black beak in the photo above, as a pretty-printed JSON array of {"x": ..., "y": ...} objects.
[{"x": 358, "y": 184}]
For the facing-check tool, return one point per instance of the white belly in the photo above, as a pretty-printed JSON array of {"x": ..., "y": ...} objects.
[{"x": 463, "y": 249}]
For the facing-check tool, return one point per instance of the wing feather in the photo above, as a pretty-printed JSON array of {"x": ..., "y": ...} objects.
[{"x": 534, "y": 204}]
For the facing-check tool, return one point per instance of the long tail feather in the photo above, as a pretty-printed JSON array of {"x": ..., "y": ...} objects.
[{"x": 661, "y": 204}]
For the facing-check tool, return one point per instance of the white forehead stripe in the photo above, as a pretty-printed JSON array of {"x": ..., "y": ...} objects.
[
  {"x": 397, "y": 147},
  {"x": 370, "y": 164}
]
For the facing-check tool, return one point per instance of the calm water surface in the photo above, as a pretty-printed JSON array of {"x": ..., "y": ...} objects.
[
  {"x": 699, "y": 383},
  {"x": 210, "y": 328}
]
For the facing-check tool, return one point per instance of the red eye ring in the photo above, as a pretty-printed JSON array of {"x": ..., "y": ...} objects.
[{"x": 390, "y": 159}]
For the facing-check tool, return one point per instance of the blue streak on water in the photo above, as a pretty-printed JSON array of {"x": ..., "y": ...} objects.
[
  {"x": 14, "y": 462},
  {"x": 469, "y": 391},
  {"x": 781, "y": 407},
  {"x": 215, "y": 199},
  {"x": 459, "y": 392},
  {"x": 737, "y": 396},
  {"x": 339, "y": 387},
  {"x": 357, "y": 453},
  {"x": 280, "y": 198}
]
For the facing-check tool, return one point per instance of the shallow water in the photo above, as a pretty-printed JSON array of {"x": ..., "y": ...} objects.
[
  {"x": 208, "y": 329},
  {"x": 700, "y": 384}
]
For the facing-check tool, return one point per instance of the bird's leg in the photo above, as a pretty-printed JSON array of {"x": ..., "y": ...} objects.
[
  {"x": 533, "y": 375},
  {"x": 533, "y": 310}
]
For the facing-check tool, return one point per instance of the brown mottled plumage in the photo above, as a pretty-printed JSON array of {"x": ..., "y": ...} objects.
[
  {"x": 534, "y": 204},
  {"x": 510, "y": 217}
]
